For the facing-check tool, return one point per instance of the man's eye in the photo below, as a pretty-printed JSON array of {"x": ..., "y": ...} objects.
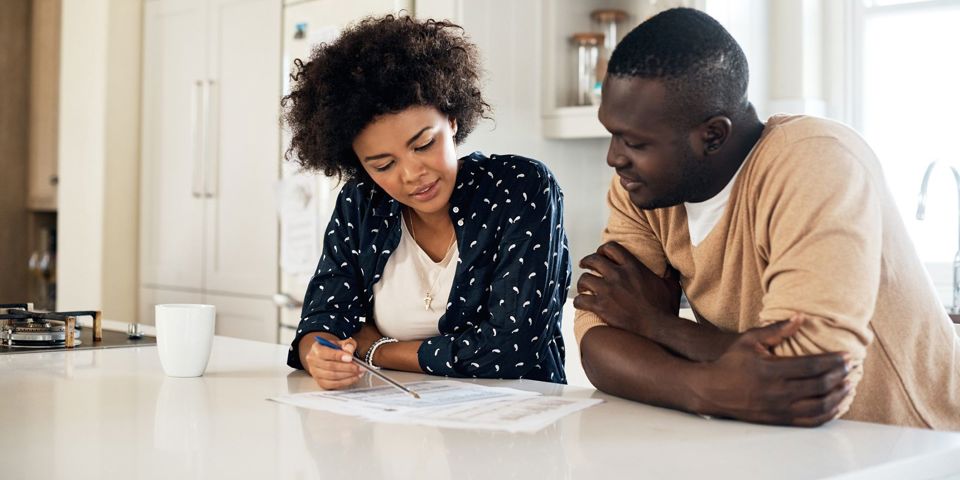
[
  {"x": 383, "y": 168},
  {"x": 425, "y": 146},
  {"x": 635, "y": 146}
]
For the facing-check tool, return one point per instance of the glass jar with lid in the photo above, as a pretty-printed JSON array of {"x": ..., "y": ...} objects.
[
  {"x": 606, "y": 21},
  {"x": 588, "y": 54}
]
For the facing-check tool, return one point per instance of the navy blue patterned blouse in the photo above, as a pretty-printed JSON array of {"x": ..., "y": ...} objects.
[{"x": 503, "y": 316}]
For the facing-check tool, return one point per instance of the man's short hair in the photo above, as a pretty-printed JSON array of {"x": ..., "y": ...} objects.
[{"x": 702, "y": 66}]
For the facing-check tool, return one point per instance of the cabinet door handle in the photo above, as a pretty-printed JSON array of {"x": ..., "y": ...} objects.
[
  {"x": 211, "y": 137},
  {"x": 285, "y": 300},
  {"x": 196, "y": 131}
]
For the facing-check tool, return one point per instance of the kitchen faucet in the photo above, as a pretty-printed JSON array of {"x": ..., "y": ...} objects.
[{"x": 921, "y": 211}]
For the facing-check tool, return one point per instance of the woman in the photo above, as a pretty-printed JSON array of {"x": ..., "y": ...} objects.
[{"x": 430, "y": 264}]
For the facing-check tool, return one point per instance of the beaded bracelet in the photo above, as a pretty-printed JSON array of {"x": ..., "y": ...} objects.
[{"x": 373, "y": 348}]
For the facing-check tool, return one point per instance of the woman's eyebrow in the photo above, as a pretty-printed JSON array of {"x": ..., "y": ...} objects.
[
  {"x": 409, "y": 142},
  {"x": 417, "y": 135}
]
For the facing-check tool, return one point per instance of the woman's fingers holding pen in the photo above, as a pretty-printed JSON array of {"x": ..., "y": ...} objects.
[
  {"x": 349, "y": 346},
  {"x": 335, "y": 360},
  {"x": 332, "y": 368}
]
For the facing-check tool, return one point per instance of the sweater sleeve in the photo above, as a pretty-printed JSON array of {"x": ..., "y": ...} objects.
[
  {"x": 334, "y": 302},
  {"x": 530, "y": 280},
  {"x": 818, "y": 225},
  {"x": 628, "y": 227}
]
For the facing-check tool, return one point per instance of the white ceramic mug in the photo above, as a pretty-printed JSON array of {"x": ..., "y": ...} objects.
[{"x": 184, "y": 338}]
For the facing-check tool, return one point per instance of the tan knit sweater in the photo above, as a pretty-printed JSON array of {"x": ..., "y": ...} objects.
[{"x": 810, "y": 227}]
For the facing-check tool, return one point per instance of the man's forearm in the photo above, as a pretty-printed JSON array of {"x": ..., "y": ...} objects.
[
  {"x": 746, "y": 382},
  {"x": 652, "y": 375},
  {"x": 685, "y": 338}
]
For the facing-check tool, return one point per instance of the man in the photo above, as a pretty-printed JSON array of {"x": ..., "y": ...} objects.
[{"x": 810, "y": 300}]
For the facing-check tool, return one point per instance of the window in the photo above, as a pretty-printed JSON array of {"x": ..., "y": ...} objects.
[{"x": 909, "y": 101}]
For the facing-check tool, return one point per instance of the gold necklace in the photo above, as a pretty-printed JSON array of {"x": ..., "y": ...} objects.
[{"x": 428, "y": 295}]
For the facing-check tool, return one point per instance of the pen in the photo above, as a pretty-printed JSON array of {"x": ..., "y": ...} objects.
[{"x": 368, "y": 367}]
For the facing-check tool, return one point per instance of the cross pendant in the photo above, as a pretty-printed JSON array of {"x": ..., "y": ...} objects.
[{"x": 427, "y": 301}]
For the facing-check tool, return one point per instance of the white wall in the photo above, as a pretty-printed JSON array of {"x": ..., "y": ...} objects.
[
  {"x": 98, "y": 153},
  {"x": 81, "y": 153},
  {"x": 122, "y": 157},
  {"x": 748, "y": 22}
]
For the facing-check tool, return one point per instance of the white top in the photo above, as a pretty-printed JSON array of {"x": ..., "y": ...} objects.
[
  {"x": 703, "y": 216},
  {"x": 105, "y": 414},
  {"x": 398, "y": 298}
]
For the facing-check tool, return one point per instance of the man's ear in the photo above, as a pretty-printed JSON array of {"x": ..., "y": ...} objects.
[
  {"x": 714, "y": 133},
  {"x": 453, "y": 126}
]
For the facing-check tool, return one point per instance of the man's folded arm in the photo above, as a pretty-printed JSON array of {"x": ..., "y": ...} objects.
[
  {"x": 821, "y": 236},
  {"x": 627, "y": 226},
  {"x": 630, "y": 366}
]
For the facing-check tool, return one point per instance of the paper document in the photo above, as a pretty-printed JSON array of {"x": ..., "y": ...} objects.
[
  {"x": 299, "y": 237},
  {"x": 524, "y": 414},
  {"x": 434, "y": 394},
  {"x": 446, "y": 403}
]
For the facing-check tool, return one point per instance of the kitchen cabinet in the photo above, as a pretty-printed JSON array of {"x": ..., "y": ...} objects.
[
  {"x": 44, "y": 102},
  {"x": 155, "y": 296},
  {"x": 14, "y": 110},
  {"x": 237, "y": 315},
  {"x": 171, "y": 198},
  {"x": 243, "y": 317},
  {"x": 210, "y": 162}
]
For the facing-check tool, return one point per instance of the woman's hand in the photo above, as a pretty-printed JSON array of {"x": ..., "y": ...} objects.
[
  {"x": 331, "y": 369},
  {"x": 365, "y": 337}
]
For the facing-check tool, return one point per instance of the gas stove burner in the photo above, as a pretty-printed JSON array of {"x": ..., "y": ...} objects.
[
  {"x": 19, "y": 333},
  {"x": 20, "y": 326}
]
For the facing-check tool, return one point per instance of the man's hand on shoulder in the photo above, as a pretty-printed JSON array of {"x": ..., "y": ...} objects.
[
  {"x": 749, "y": 383},
  {"x": 623, "y": 291}
]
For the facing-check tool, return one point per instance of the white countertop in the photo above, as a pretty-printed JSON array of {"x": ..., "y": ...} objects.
[{"x": 113, "y": 414}]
